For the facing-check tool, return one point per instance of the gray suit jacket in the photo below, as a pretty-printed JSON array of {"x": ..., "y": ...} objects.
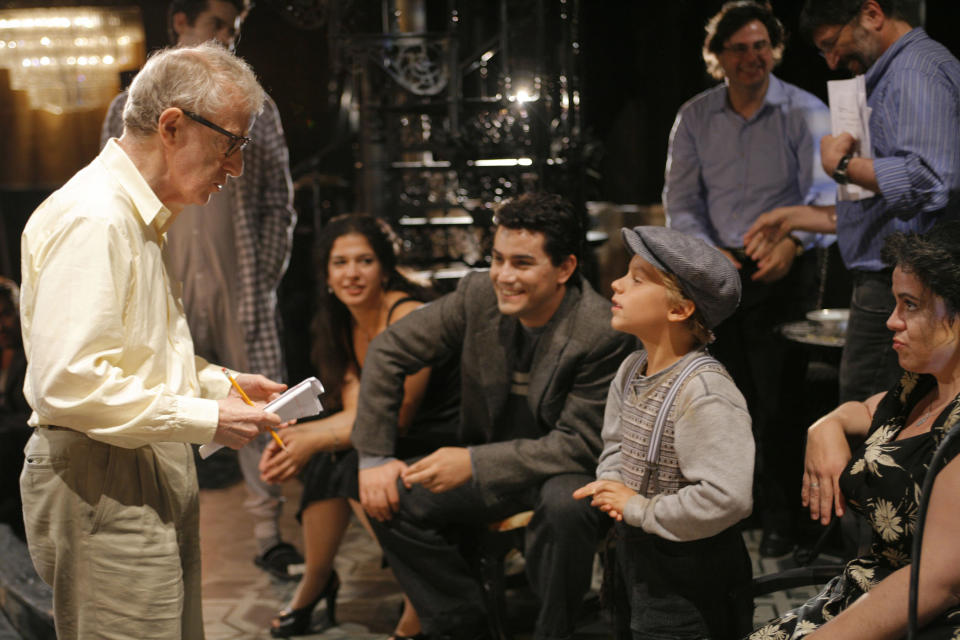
[{"x": 574, "y": 362}]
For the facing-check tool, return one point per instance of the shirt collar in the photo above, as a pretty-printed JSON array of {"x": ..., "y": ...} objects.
[
  {"x": 776, "y": 95},
  {"x": 876, "y": 71},
  {"x": 776, "y": 92},
  {"x": 152, "y": 212}
]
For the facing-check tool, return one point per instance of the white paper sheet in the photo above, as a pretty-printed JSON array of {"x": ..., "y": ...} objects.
[
  {"x": 849, "y": 113},
  {"x": 297, "y": 402}
]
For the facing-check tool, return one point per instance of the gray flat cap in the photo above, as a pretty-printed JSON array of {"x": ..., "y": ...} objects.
[{"x": 706, "y": 275}]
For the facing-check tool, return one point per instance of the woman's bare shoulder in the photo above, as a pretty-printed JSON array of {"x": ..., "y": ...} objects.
[{"x": 407, "y": 304}]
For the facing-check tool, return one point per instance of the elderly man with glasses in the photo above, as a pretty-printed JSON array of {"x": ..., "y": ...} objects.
[
  {"x": 231, "y": 254},
  {"x": 109, "y": 484},
  {"x": 742, "y": 148}
]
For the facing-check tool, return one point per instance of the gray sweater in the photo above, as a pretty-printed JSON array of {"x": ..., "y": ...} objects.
[{"x": 713, "y": 447}]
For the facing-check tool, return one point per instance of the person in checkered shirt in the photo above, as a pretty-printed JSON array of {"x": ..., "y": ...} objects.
[{"x": 230, "y": 255}]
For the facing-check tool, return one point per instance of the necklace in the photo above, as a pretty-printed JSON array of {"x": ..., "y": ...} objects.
[
  {"x": 923, "y": 418},
  {"x": 926, "y": 414}
]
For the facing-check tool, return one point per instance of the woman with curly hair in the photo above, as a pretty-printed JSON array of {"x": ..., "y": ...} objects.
[{"x": 881, "y": 479}]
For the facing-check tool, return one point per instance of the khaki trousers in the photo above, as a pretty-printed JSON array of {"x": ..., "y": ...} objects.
[{"x": 116, "y": 533}]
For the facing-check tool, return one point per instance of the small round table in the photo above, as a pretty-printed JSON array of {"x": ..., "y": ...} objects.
[{"x": 810, "y": 333}]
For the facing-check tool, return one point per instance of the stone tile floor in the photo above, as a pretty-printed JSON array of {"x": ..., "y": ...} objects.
[{"x": 240, "y": 599}]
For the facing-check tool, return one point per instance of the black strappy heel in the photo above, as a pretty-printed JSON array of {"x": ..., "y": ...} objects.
[{"x": 297, "y": 622}]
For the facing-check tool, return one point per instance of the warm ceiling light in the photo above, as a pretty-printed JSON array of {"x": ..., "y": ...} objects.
[{"x": 44, "y": 49}]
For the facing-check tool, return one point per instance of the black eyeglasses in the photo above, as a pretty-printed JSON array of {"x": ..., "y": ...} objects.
[
  {"x": 741, "y": 49},
  {"x": 236, "y": 142},
  {"x": 826, "y": 47}
]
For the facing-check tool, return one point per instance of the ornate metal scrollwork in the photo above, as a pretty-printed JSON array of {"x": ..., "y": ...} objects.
[{"x": 418, "y": 65}]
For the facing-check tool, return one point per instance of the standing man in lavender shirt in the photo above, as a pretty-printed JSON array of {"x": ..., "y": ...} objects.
[
  {"x": 230, "y": 255},
  {"x": 913, "y": 91},
  {"x": 737, "y": 150}
]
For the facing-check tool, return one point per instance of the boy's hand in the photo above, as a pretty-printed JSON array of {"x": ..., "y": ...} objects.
[{"x": 609, "y": 496}]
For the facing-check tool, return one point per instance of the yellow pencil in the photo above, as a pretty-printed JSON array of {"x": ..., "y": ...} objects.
[{"x": 247, "y": 399}]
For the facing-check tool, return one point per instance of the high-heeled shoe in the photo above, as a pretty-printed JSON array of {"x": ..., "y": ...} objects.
[
  {"x": 297, "y": 622},
  {"x": 398, "y": 635}
]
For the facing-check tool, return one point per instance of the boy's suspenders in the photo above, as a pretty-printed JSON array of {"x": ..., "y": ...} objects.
[{"x": 653, "y": 452}]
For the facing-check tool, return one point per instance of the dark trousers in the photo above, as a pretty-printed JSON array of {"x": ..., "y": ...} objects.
[
  {"x": 682, "y": 590},
  {"x": 422, "y": 544},
  {"x": 869, "y": 364},
  {"x": 769, "y": 372}
]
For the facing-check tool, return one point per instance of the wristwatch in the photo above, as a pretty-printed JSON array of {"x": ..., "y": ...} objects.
[
  {"x": 799, "y": 246},
  {"x": 840, "y": 173}
]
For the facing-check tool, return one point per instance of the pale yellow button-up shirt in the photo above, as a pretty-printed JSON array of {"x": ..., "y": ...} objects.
[{"x": 108, "y": 348}]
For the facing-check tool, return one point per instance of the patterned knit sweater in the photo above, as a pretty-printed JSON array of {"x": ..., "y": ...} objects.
[{"x": 701, "y": 482}]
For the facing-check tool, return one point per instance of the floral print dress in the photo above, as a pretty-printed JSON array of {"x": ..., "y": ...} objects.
[{"x": 881, "y": 483}]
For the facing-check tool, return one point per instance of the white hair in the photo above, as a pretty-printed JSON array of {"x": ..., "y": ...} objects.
[{"x": 205, "y": 79}]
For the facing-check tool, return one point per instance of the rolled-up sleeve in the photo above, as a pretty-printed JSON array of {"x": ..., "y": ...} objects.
[{"x": 917, "y": 178}]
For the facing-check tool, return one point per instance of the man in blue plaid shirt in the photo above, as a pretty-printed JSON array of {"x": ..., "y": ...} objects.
[{"x": 230, "y": 255}]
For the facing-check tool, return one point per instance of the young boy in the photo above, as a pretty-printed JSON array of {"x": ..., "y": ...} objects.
[{"x": 677, "y": 462}]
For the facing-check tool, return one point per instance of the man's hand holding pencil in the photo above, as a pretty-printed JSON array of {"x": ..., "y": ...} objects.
[
  {"x": 255, "y": 387},
  {"x": 241, "y": 419}
]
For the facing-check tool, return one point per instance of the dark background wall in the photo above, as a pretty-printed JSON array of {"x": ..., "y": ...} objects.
[{"x": 641, "y": 61}]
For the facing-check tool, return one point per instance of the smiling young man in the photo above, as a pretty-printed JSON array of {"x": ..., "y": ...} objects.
[
  {"x": 536, "y": 357},
  {"x": 742, "y": 148},
  {"x": 230, "y": 253}
]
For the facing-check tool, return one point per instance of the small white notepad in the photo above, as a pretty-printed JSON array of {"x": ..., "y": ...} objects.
[{"x": 296, "y": 402}]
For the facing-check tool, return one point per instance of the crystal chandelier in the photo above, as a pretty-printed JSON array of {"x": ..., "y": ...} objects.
[{"x": 69, "y": 58}]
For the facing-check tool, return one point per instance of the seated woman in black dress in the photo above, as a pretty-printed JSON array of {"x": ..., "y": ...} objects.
[
  {"x": 363, "y": 294},
  {"x": 882, "y": 479}
]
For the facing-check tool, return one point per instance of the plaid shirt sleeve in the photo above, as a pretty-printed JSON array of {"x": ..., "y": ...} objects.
[
  {"x": 269, "y": 192},
  {"x": 264, "y": 227}
]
